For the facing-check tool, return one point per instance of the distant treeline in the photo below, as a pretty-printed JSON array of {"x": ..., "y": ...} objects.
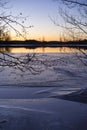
[{"x": 35, "y": 44}]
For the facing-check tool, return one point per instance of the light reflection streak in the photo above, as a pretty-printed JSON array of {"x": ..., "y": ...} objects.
[
  {"x": 41, "y": 50},
  {"x": 44, "y": 50}
]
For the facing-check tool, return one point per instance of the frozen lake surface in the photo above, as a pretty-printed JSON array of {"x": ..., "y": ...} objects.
[
  {"x": 40, "y": 108},
  {"x": 55, "y": 99},
  {"x": 57, "y": 70}
]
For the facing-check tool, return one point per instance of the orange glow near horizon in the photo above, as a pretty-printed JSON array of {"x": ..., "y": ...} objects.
[
  {"x": 37, "y": 37},
  {"x": 44, "y": 50},
  {"x": 43, "y": 28}
]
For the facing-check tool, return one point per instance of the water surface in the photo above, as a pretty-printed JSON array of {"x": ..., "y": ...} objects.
[
  {"x": 60, "y": 69},
  {"x": 41, "y": 50}
]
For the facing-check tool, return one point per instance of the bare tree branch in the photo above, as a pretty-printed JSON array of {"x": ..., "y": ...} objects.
[
  {"x": 11, "y": 22},
  {"x": 74, "y": 23},
  {"x": 76, "y": 2}
]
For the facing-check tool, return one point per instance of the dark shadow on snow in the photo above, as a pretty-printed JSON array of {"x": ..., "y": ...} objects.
[{"x": 79, "y": 96}]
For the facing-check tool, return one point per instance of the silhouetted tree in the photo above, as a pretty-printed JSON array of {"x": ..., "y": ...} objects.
[
  {"x": 74, "y": 14},
  {"x": 4, "y": 36},
  {"x": 9, "y": 22},
  {"x": 73, "y": 22},
  {"x": 23, "y": 62}
]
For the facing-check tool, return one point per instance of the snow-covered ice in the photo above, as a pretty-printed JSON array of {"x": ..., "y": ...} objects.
[{"x": 56, "y": 99}]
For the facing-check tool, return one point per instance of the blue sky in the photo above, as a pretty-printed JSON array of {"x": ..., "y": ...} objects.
[{"x": 38, "y": 12}]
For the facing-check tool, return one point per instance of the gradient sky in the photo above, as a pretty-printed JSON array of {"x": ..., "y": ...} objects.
[{"x": 38, "y": 12}]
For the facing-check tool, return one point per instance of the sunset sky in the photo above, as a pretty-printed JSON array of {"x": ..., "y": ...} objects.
[{"x": 39, "y": 13}]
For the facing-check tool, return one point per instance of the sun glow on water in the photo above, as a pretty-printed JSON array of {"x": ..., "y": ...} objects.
[{"x": 44, "y": 50}]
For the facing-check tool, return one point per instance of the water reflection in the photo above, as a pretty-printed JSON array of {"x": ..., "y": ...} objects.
[
  {"x": 44, "y": 50},
  {"x": 41, "y": 50},
  {"x": 5, "y": 49}
]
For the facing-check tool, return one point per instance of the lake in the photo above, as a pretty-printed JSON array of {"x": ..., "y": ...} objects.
[
  {"x": 41, "y": 50},
  {"x": 39, "y": 90},
  {"x": 50, "y": 67}
]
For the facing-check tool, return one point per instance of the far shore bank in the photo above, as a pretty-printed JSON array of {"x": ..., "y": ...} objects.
[{"x": 36, "y": 44}]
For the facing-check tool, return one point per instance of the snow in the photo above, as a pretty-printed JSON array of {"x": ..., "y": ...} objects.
[
  {"x": 42, "y": 114},
  {"x": 60, "y": 70},
  {"x": 55, "y": 99}
]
